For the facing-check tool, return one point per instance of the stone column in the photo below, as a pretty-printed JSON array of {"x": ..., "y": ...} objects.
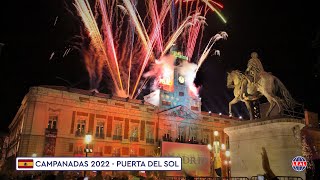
[{"x": 281, "y": 139}]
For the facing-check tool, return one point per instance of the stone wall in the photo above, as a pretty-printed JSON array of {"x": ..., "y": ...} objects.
[{"x": 281, "y": 139}]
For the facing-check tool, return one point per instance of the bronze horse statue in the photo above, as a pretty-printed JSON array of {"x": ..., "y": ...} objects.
[{"x": 266, "y": 85}]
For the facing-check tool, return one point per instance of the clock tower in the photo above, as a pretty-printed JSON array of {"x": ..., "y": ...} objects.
[{"x": 174, "y": 93}]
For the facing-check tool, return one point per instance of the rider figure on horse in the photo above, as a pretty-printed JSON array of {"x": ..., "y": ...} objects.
[{"x": 254, "y": 68}]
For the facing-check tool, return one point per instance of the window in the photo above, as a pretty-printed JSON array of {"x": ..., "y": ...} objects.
[
  {"x": 205, "y": 139},
  {"x": 150, "y": 131},
  {"x": 134, "y": 134},
  {"x": 182, "y": 134},
  {"x": 100, "y": 130},
  {"x": 81, "y": 127},
  {"x": 52, "y": 124},
  {"x": 181, "y": 93},
  {"x": 149, "y": 136},
  {"x": 117, "y": 131},
  {"x": 166, "y": 103},
  {"x": 167, "y": 136},
  {"x": 116, "y": 152}
]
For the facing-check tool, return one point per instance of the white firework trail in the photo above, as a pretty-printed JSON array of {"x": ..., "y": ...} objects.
[
  {"x": 212, "y": 41},
  {"x": 51, "y": 56},
  {"x": 55, "y": 21}
]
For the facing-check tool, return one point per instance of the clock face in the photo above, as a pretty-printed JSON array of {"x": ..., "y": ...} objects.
[{"x": 181, "y": 79}]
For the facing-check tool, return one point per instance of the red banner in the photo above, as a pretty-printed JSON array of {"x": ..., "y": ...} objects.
[
  {"x": 195, "y": 158},
  {"x": 50, "y": 142}
]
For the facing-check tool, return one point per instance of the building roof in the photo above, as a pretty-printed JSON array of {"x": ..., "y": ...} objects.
[{"x": 94, "y": 93}]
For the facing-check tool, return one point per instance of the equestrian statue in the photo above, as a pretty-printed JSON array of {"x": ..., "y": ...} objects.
[{"x": 255, "y": 83}]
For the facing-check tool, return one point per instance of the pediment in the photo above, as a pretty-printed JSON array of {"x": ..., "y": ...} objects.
[{"x": 180, "y": 111}]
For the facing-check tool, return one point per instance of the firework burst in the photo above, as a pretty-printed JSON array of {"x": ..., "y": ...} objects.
[{"x": 127, "y": 37}]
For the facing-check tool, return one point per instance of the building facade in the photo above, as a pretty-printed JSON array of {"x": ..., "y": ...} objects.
[{"x": 52, "y": 121}]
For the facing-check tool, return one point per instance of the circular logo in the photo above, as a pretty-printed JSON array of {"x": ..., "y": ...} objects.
[{"x": 299, "y": 163}]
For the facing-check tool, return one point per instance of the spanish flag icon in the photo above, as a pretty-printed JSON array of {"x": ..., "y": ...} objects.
[{"x": 25, "y": 163}]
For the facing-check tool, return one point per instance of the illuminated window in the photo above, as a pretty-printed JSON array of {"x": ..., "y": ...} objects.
[
  {"x": 81, "y": 127},
  {"x": 100, "y": 130},
  {"x": 166, "y": 103},
  {"x": 52, "y": 124},
  {"x": 117, "y": 131},
  {"x": 150, "y": 132},
  {"x": 205, "y": 139},
  {"x": 134, "y": 134}
]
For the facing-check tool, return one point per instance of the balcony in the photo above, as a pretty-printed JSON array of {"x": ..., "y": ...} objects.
[
  {"x": 51, "y": 130},
  {"x": 99, "y": 136},
  {"x": 80, "y": 133},
  {"x": 116, "y": 137},
  {"x": 167, "y": 137},
  {"x": 150, "y": 141},
  {"x": 134, "y": 139}
]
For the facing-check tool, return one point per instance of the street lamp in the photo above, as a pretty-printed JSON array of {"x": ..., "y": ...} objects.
[
  {"x": 227, "y": 162},
  {"x": 87, "y": 139},
  {"x": 223, "y": 147},
  {"x": 215, "y": 152},
  {"x": 215, "y": 144},
  {"x": 227, "y": 153}
]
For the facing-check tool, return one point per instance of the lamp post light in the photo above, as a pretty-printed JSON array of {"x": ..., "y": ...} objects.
[
  {"x": 227, "y": 162},
  {"x": 215, "y": 151},
  {"x": 227, "y": 153},
  {"x": 87, "y": 139},
  {"x": 215, "y": 144},
  {"x": 223, "y": 147}
]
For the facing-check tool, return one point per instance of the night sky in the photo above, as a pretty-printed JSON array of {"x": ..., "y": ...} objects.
[{"x": 285, "y": 34}]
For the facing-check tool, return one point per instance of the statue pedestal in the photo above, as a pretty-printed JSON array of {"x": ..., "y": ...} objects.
[{"x": 281, "y": 139}]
